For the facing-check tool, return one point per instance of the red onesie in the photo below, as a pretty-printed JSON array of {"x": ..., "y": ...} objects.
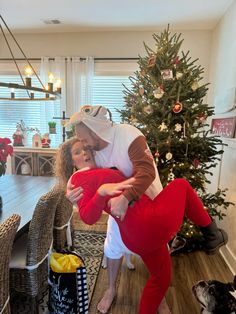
[{"x": 148, "y": 225}]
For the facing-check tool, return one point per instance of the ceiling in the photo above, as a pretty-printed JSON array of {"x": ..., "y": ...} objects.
[{"x": 111, "y": 15}]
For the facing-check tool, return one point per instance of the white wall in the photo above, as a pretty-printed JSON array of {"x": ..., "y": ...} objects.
[
  {"x": 104, "y": 44},
  {"x": 223, "y": 78}
]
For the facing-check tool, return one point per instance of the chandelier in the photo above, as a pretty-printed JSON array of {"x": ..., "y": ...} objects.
[{"x": 44, "y": 92}]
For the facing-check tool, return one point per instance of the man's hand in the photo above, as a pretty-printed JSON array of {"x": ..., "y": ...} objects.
[
  {"x": 114, "y": 189},
  {"x": 119, "y": 206},
  {"x": 73, "y": 194}
]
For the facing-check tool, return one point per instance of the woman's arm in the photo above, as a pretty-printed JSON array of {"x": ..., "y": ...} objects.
[{"x": 95, "y": 198}]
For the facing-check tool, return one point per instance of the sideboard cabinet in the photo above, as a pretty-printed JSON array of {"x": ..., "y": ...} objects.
[{"x": 33, "y": 161}]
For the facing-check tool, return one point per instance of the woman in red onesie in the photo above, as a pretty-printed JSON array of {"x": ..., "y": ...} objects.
[{"x": 148, "y": 225}]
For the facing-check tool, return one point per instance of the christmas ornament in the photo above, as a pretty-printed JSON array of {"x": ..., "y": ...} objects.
[
  {"x": 178, "y": 75},
  {"x": 178, "y": 127},
  {"x": 167, "y": 74},
  {"x": 141, "y": 90},
  {"x": 171, "y": 176},
  {"x": 133, "y": 121},
  {"x": 157, "y": 155},
  {"x": 202, "y": 118},
  {"x": 169, "y": 156},
  {"x": 177, "y": 107},
  {"x": 143, "y": 73},
  {"x": 148, "y": 109},
  {"x": 151, "y": 61},
  {"x": 195, "y": 163},
  {"x": 159, "y": 92},
  {"x": 176, "y": 60},
  {"x": 194, "y": 86},
  {"x": 163, "y": 126}
]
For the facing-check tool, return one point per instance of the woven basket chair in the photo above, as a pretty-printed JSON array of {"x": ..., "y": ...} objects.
[
  {"x": 63, "y": 229},
  {"x": 29, "y": 263},
  {"x": 7, "y": 234}
]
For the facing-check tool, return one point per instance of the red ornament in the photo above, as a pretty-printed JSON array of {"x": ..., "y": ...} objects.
[
  {"x": 195, "y": 163},
  {"x": 151, "y": 61},
  {"x": 177, "y": 107},
  {"x": 177, "y": 60},
  {"x": 202, "y": 118}
]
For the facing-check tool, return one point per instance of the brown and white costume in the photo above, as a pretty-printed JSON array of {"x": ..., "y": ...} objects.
[{"x": 127, "y": 150}]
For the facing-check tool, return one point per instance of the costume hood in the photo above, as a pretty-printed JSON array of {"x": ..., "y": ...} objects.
[{"x": 95, "y": 118}]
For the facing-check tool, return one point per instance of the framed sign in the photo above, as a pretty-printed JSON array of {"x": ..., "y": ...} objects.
[{"x": 224, "y": 126}]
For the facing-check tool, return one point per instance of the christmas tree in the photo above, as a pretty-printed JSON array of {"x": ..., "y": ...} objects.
[{"x": 166, "y": 102}]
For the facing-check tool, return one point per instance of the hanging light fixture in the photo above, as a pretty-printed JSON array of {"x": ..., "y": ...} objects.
[{"x": 45, "y": 92}]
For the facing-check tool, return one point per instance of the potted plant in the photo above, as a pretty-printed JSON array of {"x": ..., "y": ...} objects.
[{"x": 52, "y": 127}]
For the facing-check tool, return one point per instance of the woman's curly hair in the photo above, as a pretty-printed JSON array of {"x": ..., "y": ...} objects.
[{"x": 63, "y": 167}]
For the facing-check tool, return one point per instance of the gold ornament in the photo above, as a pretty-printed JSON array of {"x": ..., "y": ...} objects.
[
  {"x": 194, "y": 86},
  {"x": 141, "y": 91},
  {"x": 178, "y": 127},
  {"x": 171, "y": 176},
  {"x": 143, "y": 73},
  {"x": 162, "y": 126},
  {"x": 148, "y": 109},
  {"x": 178, "y": 75},
  {"x": 133, "y": 120},
  {"x": 169, "y": 156},
  {"x": 158, "y": 93}
]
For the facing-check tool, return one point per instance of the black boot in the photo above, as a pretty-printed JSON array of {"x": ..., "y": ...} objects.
[{"x": 214, "y": 238}]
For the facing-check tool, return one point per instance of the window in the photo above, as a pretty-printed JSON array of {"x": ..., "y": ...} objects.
[
  {"x": 108, "y": 84},
  {"x": 35, "y": 114},
  {"x": 108, "y": 91}
]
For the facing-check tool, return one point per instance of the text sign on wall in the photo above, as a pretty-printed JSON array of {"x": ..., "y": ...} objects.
[{"x": 223, "y": 126}]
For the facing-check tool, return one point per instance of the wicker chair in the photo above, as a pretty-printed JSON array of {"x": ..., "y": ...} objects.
[
  {"x": 7, "y": 234},
  {"x": 62, "y": 233},
  {"x": 29, "y": 263}
]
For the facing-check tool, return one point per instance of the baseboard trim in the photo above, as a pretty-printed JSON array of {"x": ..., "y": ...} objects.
[{"x": 229, "y": 258}]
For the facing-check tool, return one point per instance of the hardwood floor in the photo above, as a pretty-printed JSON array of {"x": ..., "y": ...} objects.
[{"x": 187, "y": 269}]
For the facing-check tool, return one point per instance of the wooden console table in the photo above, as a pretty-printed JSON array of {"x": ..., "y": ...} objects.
[{"x": 33, "y": 161}]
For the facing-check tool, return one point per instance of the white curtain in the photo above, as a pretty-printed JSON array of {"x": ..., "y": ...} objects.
[
  {"x": 76, "y": 74},
  {"x": 80, "y": 72},
  {"x": 57, "y": 67},
  {"x": 53, "y": 109}
]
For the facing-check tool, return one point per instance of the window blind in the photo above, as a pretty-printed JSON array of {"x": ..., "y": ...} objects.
[
  {"x": 108, "y": 91},
  {"x": 35, "y": 114}
]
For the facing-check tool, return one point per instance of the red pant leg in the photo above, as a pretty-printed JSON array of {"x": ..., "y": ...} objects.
[
  {"x": 194, "y": 209},
  {"x": 158, "y": 264},
  {"x": 177, "y": 199}
]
